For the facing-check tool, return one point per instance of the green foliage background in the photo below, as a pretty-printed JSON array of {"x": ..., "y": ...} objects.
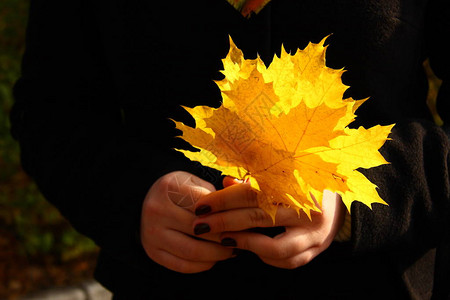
[{"x": 28, "y": 223}]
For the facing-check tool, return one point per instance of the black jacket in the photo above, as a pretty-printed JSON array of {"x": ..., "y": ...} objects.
[{"x": 101, "y": 79}]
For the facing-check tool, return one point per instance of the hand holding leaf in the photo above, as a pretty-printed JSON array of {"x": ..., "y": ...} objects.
[{"x": 285, "y": 126}]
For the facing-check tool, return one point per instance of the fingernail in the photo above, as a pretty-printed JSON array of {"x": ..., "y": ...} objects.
[
  {"x": 202, "y": 210},
  {"x": 201, "y": 228},
  {"x": 228, "y": 242}
]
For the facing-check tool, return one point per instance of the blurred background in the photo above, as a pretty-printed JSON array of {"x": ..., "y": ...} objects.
[{"x": 38, "y": 248}]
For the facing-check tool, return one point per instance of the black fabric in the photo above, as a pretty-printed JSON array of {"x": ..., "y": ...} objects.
[{"x": 101, "y": 79}]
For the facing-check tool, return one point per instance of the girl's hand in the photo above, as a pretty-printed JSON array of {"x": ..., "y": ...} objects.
[
  {"x": 166, "y": 225},
  {"x": 235, "y": 209}
]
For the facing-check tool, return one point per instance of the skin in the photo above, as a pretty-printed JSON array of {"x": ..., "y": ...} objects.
[{"x": 187, "y": 226}]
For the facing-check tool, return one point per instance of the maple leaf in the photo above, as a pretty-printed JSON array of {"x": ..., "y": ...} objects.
[{"x": 286, "y": 127}]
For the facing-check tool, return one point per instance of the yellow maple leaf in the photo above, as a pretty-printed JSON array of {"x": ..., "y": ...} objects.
[{"x": 285, "y": 126}]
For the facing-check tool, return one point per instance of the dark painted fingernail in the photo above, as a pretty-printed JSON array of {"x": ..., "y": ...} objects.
[
  {"x": 201, "y": 228},
  {"x": 228, "y": 242},
  {"x": 202, "y": 210}
]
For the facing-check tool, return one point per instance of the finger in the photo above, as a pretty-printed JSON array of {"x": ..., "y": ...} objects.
[
  {"x": 232, "y": 220},
  {"x": 235, "y": 196},
  {"x": 284, "y": 246},
  {"x": 158, "y": 216},
  {"x": 177, "y": 264},
  {"x": 183, "y": 224},
  {"x": 301, "y": 247},
  {"x": 245, "y": 218},
  {"x": 186, "y": 247},
  {"x": 293, "y": 262}
]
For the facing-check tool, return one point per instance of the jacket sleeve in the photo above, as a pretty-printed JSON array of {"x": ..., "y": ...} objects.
[
  {"x": 79, "y": 139},
  {"x": 416, "y": 182}
]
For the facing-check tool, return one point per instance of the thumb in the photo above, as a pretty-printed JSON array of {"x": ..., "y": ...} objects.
[
  {"x": 184, "y": 189},
  {"x": 229, "y": 181}
]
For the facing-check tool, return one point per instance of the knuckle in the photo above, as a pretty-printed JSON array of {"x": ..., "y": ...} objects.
[
  {"x": 190, "y": 252},
  {"x": 220, "y": 223},
  {"x": 304, "y": 258},
  {"x": 319, "y": 238},
  {"x": 258, "y": 217},
  {"x": 244, "y": 243},
  {"x": 152, "y": 207},
  {"x": 220, "y": 202},
  {"x": 148, "y": 232},
  {"x": 164, "y": 182},
  {"x": 172, "y": 181},
  {"x": 250, "y": 196},
  {"x": 292, "y": 264},
  {"x": 279, "y": 252}
]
